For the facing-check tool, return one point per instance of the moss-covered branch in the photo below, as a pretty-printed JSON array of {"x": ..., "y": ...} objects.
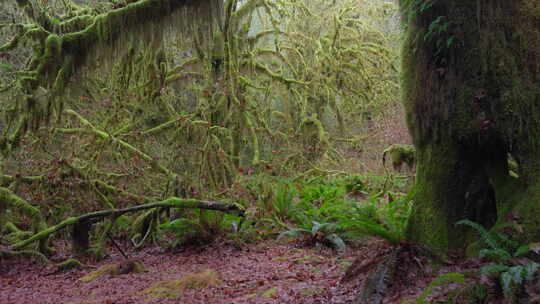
[
  {"x": 121, "y": 143},
  {"x": 8, "y": 199},
  {"x": 172, "y": 202}
]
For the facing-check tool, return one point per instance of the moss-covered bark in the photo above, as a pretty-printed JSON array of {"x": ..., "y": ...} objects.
[
  {"x": 9, "y": 200},
  {"x": 471, "y": 81}
]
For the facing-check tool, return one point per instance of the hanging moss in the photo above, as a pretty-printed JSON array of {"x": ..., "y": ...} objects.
[{"x": 65, "y": 45}]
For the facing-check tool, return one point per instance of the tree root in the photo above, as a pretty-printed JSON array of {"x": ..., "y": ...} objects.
[{"x": 398, "y": 266}]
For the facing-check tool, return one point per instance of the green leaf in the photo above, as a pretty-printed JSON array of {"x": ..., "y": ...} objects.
[
  {"x": 450, "y": 41},
  {"x": 498, "y": 255},
  {"x": 484, "y": 234},
  {"x": 530, "y": 271},
  {"x": 336, "y": 242},
  {"x": 493, "y": 269},
  {"x": 506, "y": 282},
  {"x": 293, "y": 233},
  {"x": 522, "y": 250}
]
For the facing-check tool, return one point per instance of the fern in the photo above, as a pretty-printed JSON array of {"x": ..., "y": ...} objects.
[
  {"x": 373, "y": 228},
  {"x": 283, "y": 202},
  {"x": 485, "y": 235},
  {"x": 493, "y": 269},
  {"x": 530, "y": 271},
  {"x": 521, "y": 251},
  {"x": 497, "y": 255},
  {"x": 327, "y": 230},
  {"x": 511, "y": 278},
  {"x": 503, "y": 251}
]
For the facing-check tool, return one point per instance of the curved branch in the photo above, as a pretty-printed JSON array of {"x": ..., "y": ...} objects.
[{"x": 172, "y": 202}]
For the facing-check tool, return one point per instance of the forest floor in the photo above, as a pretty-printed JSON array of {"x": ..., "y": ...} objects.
[{"x": 268, "y": 272}]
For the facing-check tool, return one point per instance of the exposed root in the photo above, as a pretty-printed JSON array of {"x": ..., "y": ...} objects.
[{"x": 392, "y": 268}]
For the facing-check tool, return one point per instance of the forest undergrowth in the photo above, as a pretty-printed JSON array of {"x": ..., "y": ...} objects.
[{"x": 236, "y": 162}]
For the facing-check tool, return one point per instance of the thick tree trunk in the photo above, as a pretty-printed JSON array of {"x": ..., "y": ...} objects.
[{"x": 471, "y": 80}]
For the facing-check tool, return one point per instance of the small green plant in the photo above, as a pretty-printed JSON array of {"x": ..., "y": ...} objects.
[
  {"x": 183, "y": 230},
  {"x": 499, "y": 248},
  {"x": 283, "y": 201},
  {"x": 386, "y": 220},
  {"x": 325, "y": 214},
  {"x": 354, "y": 184},
  {"x": 509, "y": 265},
  {"x": 320, "y": 233},
  {"x": 200, "y": 228}
]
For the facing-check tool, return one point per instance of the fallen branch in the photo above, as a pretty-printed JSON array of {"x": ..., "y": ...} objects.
[
  {"x": 172, "y": 202},
  {"x": 24, "y": 253}
]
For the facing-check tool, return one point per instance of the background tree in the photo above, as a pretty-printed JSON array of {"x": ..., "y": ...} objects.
[
  {"x": 471, "y": 87},
  {"x": 110, "y": 104}
]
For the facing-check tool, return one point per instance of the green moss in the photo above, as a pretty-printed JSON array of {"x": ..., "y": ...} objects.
[
  {"x": 124, "y": 267},
  {"x": 430, "y": 223},
  {"x": 399, "y": 155},
  {"x": 69, "y": 264},
  {"x": 469, "y": 103},
  {"x": 101, "y": 271},
  {"x": 270, "y": 293},
  {"x": 173, "y": 289}
]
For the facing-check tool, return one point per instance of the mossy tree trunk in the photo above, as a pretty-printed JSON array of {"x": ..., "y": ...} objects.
[{"x": 471, "y": 81}]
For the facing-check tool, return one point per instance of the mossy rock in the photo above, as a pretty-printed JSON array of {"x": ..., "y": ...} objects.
[
  {"x": 172, "y": 289},
  {"x": 69, "y": 264}
]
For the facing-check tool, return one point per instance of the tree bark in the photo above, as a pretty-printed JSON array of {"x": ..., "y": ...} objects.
[{"x": 471, "y": 87}]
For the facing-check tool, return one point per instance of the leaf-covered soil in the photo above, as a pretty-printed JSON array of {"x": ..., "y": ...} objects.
[{"x": 267, "y": 272}]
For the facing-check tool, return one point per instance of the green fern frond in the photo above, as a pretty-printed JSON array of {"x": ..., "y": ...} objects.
[
  {"x": 485, "y": 235},
  {"x": 506, "y": 282},
  {"x": 493, "y": 269},
  {"x": 517, "y": 273},
  {"x": 497, "y": 255},
  {"x": 521, "y": 251},
  {"x": 515, "y": 276},
  {"x": 375, "y": 229},
  {"x": 298, "y": 232},
  {"x": 530, "y": 271},
  {"x": 336, "y": 242}
]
